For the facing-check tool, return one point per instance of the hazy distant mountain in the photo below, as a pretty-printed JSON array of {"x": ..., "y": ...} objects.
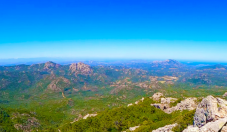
[
  {"x": 214, "y": 67},
  {"x": 167, "y": 63}
]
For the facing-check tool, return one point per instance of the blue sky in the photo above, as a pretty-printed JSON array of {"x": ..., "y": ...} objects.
[{"x": 140, "y": 29}]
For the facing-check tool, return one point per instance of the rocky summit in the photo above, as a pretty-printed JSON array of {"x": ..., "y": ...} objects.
[
  {"x": 49, "y": 65},
  {"x": 80, "y": 68}
]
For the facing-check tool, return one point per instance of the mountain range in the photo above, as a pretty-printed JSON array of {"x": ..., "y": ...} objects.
[{"x": 45, "y": 96}]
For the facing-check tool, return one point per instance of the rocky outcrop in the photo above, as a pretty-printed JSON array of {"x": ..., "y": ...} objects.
[
  {"x": 85, "y": 117},
  {"x": 29, "y": 123},
  {"x": 161, "y": 106},
  {"x": 137, "y": 102},
  {"x": 141, "y": 100},
  {"x": 80, "y": 68},
  {"x": 77, "y": 119},
  {"x": 157, "y": 96},
  {"x": 49, "y": 65},
  {"x": 89, "y": 115},
  {"x": 165, "y": 102},
  {"x": 210, "y": 116},
  {"x": 58, "y": 84},
  {"x": 191, "y": 129},
  {"x": 187, "y": 104},
  {"x": 225, "y": 95},
  {"x": 215, "y": 126},
  {"x": 129, "y": 104},
  {"x": 167, "y": 128},
  {"x": 168, "y": 100},
  {"x": 133, "y": 128},
  {"x": 210, "y": 109}
]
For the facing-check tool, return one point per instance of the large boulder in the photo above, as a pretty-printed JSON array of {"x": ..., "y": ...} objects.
[
  {"x": 167, "y": 128},
  {"x": 215, "y": 126},
  {"x": 210, "y": 109}
]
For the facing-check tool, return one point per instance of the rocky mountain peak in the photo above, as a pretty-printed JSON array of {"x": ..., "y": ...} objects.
[
  {"x": 80, "y": 68},
  {"x": 169, "y": 63},
  {"x": 214, "y": 67},
  {"x": 50, "y": 64}
]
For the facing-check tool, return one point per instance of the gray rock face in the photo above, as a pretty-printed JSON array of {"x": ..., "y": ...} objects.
[
  {"x": 164, "y": 101},
  {"x": 168, "y": 100},
  {"x": 161, "y": 106},
  {"x": 187, "y": 104},
  {"x": 167, "y": 128},
  {"x": 214, "y": 126},
  {"x": 191, "y": 129},
  {"x": 210, "y": 109},
  {"x": 80, "y": 68},
  {"x": 209, "y": 127},
  {"x": 157, "y": 96}
]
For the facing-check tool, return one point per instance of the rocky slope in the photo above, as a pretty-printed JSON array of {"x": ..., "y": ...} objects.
[
  {"x": 210, "y": 116},
  {"x": 165, "y": 103},
  {"x": 167, "y": 128}
]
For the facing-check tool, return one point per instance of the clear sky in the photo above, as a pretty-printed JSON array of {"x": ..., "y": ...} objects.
[{"x": 140, "y": 29}]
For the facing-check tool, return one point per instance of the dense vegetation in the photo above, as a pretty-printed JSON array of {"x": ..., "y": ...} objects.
[
  {"x": 6, "y": 125},
  {"x": 120, "y": 119}
]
